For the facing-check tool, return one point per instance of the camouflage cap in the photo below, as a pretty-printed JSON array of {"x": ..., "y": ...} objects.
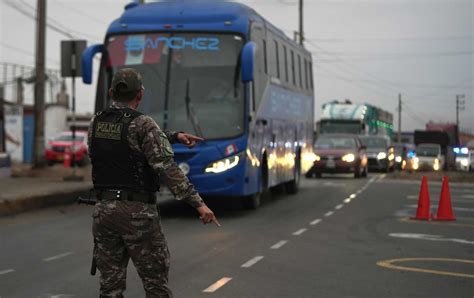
[{"x": 128, "y": 79}]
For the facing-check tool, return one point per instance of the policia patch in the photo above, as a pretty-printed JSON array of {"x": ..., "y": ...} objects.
[{"x": 109, "y": 130}]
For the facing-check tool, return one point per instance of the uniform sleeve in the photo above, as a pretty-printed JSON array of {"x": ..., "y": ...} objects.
[
  {"x": 171, "y": 135},
  {"x": 89, "y": 136},
  {"x": 148, "y": 138}
]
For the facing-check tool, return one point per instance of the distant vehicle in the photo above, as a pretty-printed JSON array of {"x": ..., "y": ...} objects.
[
  {"x": 463, "y": 159},
  {"x": 428, "y": 157},
  {"x": 442, "y": 138},
  {"x": 221, "y": 71},
  {"x": 403, "y": 154},
  {"x": 361, "y": 119},
  {"x": 380, "y": 153},
  {"x": 57, "y": 147},
  {"x": 339, "y": 153}
]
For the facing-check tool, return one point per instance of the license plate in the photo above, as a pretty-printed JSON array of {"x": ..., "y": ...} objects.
[
  {"x": 60, "y": 157},
  {"x": 330, "y": 164}
]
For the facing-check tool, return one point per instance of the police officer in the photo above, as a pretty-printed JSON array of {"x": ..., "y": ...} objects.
[{"x": 129, "y": 152}]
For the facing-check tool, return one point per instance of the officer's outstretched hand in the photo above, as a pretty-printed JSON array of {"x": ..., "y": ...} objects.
[
  {"x": 188, "y": 139},
  {"x": 206, "y": 215}
]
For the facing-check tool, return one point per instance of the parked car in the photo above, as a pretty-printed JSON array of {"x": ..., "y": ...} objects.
[
  {"x": 429, "y": 157},
  {"x": 380, "y": 153},
  {"x": 339, "y": 153},
  {"x": 59, "y": 145},
  {"x": 463, "y": 159}
]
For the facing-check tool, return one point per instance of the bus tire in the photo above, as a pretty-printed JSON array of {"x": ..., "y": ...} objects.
[{"x": 252, "y": 202}]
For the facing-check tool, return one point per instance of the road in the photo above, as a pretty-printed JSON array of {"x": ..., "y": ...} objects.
[{"x": 335, "y": 238}]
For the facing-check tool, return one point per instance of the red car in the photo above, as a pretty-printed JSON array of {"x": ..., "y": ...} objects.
[
  {"x": 339, "y": 153},
  {"x": 56, "y": 148}
]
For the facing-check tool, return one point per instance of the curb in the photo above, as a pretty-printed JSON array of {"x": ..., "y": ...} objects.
[{"x": 12, "y": 207}]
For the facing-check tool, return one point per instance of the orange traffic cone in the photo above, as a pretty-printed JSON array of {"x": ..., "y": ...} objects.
[
  {"x": 445, "y": 209},
  {"x": 67, "y": 158},
  {"x": 423, "y": 210}
]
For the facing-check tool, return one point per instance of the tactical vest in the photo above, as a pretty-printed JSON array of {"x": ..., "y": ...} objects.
[{"x": 114, "y": 164}]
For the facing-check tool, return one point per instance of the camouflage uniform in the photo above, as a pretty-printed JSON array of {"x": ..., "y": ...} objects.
[{"x": 129, "y": 229}]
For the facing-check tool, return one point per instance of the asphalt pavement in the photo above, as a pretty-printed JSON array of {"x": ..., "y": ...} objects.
[{"x": 338, "y": 237}]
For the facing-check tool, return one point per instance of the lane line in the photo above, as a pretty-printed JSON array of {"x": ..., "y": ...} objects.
[
  {"x": 217, "y": 285},
  {"x": 251, "y": 262},
  {"x": 359, "y": 191},
  {"x": 347, "y": 201},
  {"x": 329, "y": 213},
  {"x": 58, "y": 256},
  {"x": 299, "y": 232},
  {"x": 279, "y": 244},
  {"x": 6, "y": 271},
  {"x": 315, "y": 222},
  {"x": 353, "y": 196},
  {"x": 390, "y": 265},
  {"x": 339, "y": 206}
]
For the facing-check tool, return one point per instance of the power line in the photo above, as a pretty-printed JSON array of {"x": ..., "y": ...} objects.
[
  {"x": 51, "y": 23},
  {"x": 382, "y": 39}
]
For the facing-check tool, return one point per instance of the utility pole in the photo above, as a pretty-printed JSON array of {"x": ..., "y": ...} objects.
[
  {"x": 301, "y": 32},
  {"x": 39, "y": 83},
  {"x": 459, "y": 106},
  {"x": 2, "y": 121},
  {"x": 399, "y": 136}
]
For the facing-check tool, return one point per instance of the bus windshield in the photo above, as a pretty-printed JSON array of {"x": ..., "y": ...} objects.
[
  {"x": 351, "y": 127},
  {"x": 192, "y": 80}
]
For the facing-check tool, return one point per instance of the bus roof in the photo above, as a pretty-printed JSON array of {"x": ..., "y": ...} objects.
[
  {"x": 189, "y": 15},
  {"x": 185, "y": 16}
]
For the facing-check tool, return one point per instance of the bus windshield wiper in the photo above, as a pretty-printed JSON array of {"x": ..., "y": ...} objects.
[{"x": 190, "y": 112}]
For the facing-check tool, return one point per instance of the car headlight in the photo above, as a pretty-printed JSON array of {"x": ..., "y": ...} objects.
[
  {"x": 348, "y": 157},
  {"x": 223, "y": 164},
  {"x": 464, "y": 162},
  {"x": 381, "y": 155},
  {"x": 76, "y": 148},
  {"x": 398, "y": 159}
]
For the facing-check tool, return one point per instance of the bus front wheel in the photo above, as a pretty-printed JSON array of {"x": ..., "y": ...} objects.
[
  {"x": 293, "y": 186},
  {"x": 252, "y": 201}
]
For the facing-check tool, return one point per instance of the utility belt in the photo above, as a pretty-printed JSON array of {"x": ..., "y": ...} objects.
[{"x": 126, "y": 195}]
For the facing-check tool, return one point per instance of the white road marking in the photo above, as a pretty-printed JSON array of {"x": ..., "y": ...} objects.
[
  {"x": 58, "y": 256},
  {"x": 61, "y": 296},
  {"x": 352, "y": 196},
  {"x": 383, "y": 176},
  {"x": 251, "y": 262},
  {"x": 467, "y": 196},
  {"x": 339, "y": 206},
  {"x": 6, "y": 271},
  {"x": 299, "y": 232},
  {"x": 218, "y": 284},
  {"x": 279, "y": 244},
  {"x": 347, "y": 201},
  {"x": 410, "y": 197},
  {"x": 359, "y": 191},
  {"x": 329, "y": 213},
  {"x": 315, "y": 222},
  {"x": 429, "y": 237}
]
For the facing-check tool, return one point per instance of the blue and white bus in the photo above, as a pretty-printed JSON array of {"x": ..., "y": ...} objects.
[{"x": 221, "y": 71}]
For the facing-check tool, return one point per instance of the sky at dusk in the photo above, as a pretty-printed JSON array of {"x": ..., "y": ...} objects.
[{"x": 366, "y": 51}]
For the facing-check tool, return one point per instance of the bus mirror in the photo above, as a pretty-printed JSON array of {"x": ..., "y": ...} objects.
[
  {"x": 247, "y": 58},
  {"x": 87, "y": 61}
]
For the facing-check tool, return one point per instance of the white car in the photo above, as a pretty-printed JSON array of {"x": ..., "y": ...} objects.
[{"x": 464, "y": 159}]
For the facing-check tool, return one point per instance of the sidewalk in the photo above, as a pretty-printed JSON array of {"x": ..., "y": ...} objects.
[{"x": 30, "y": 189}]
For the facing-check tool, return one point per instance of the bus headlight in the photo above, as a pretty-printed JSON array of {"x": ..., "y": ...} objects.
[
  {"x": 398, "y": 159},
  {"x": 464, "y": 162},
  {"x": 348, "y": 157},
  {"x": 381, "y": 155},
  {"x": 223, "y": 164},
  {"x": 415, "y": 163}
]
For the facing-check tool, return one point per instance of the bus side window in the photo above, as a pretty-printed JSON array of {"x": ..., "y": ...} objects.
[
  {"x": 311, "y": 82},
  {"x": 277, "y": 59},
  {"x": 293, "y": 67},
  {"x": 265, "y": 64},
  {"x": 306, "y": 74},
  {"x": 299, "y": 71},
  {"x": 285, "y": 54}
]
